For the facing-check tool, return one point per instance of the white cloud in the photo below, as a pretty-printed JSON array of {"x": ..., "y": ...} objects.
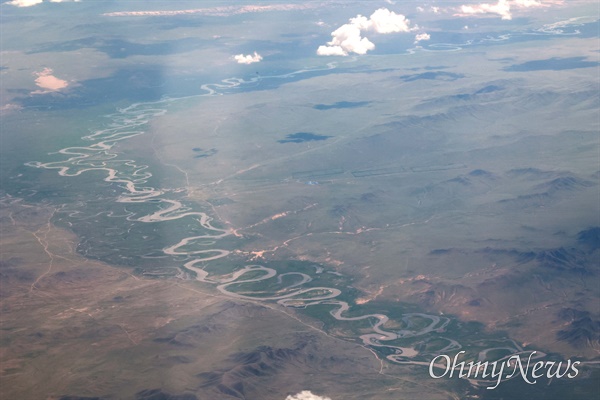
[
  {"x": 386, "y": 21},
  {"x": 24, "y": 3},
  {"x": 331, "y": 51},
  {"x": 527, "y": 3},
  {"x": 422, "y": 36},
  {"x": 433, "y": 9},
  {"x": 48, "y": 82},
  {"x": 502, "y": 7},
  {"x": 348, "y": 37},
  {"x": 249, "y": 59},
  {"x": 306, "y": 395},
  {"x": 29, "y": 3}
]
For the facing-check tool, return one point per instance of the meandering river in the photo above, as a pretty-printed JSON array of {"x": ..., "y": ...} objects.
[{"x": 100, "y": 154}]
